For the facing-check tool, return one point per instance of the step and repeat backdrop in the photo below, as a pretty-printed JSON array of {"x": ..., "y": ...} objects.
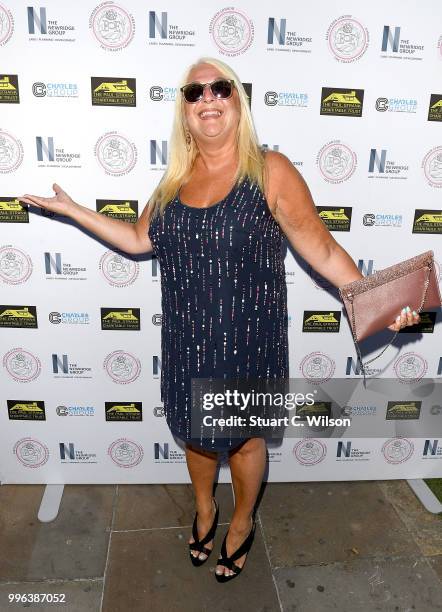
[{"x": 86, "y": 100}]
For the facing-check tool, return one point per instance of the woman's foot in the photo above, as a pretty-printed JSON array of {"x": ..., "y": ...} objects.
[
  {"x": 204, "y": 522},
  {"x": 236, "y": 535}
]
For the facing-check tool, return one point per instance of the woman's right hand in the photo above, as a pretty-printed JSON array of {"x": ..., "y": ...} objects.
[{"x": 60, "y": 203}]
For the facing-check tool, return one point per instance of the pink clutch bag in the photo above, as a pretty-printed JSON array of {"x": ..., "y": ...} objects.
[{"x": 373, "y": 302}]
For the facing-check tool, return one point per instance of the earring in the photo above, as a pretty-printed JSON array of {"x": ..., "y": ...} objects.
[{"x": 188, "y": 141}]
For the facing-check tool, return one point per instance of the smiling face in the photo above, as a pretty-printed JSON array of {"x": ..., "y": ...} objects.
[{"x": 210, "y": 117}]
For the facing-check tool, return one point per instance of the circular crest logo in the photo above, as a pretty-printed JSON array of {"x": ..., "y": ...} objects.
[
  {"x": 11, "y": 152},
  {"x": 336, "y": 162},
  {"x": 309, "y": 451},
  {"x": 232, "y": 31},
  {"x": 122, "y": 367},
  {"x": 119, "y": 271},
  {"x": 15, "y": 265},
  {"x": 31, "y": 453},
  {"x": 112, "y": 26},
  {"x": 22, "y": 365},
  {"x": 116, "y": 154},
  {"x": 432, "y": 167},
  {"x": 6, "y": 25},
  {"x": 317, "y": 367},
  {"x": 125, "y": 453},
  {"x": 410, "y": 367},
  {"x": 397, "y": 450},
  {"x": 347, "y": 39}
]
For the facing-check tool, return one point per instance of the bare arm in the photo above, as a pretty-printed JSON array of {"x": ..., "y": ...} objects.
[
  {"x": 295, "y": 211},
  {"x": 131, "y": 238}
]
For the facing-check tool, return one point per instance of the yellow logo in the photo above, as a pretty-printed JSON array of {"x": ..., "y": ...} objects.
[
  {"x": 117, "y": 87},
  {"x": 343, "y": 98},
  {"x": 20, "y": 314}
]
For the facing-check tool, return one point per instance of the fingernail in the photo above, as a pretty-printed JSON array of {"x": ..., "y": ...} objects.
[
  {"x": 408, "y": 309},
  {"x": 398, "y": 318},
  {"x": 414, "y": 312},
  {"x": 403, "y": 310}
]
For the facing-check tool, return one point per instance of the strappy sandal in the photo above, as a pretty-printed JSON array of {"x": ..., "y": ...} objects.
[
  {"x": 199, "y": 544},
  {"x": 229, "y": 561}
]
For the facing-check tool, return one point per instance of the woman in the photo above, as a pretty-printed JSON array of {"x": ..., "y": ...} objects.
[{"x": 215, "y": 222}]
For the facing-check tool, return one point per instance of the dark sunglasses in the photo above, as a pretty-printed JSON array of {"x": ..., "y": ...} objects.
[{"x": 221, "y": 89}]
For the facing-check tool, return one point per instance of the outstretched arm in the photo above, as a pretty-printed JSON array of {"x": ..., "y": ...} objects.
[{"x": 129, "y": 237}]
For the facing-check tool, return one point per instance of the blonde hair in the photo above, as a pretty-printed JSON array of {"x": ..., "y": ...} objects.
[{"x": 251, "y": 159}]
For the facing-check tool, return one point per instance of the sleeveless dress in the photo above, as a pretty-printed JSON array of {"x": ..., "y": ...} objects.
[{"x": 223, "y": 297}]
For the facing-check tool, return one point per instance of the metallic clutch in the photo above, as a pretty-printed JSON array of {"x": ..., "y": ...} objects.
[{"x": 373, "y": 302}]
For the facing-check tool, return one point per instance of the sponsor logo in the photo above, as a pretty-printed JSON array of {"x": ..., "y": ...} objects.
[
  {"x": 18, "y": 316},
  {"x": 125, "y": 453},
  {"x": 11, "y": 152},
  {"x": 54, "y": 90},
  {"x": 231, "y": 31},
  {"x": 122, "y": 367},
  {"x": 380, "y": 167},
  {"x": 118, "y": 411},
  {"x": 432, "y": 167},
  {"x": 346, "y": 451},
  {"x": 51, "y": 156},
  {"x": 286, "y": 98},
  {"x": 317, "y": 367},
  {"x": 396, "y": 105},
  {"x": 48, "y": 29},
  {"x": 336, "y": 219},
  {"x": 120, "y": 318},
  {"x": 22, "y": 365},
  {"x": 119, "y": 270},
  {"x": 15, "y": 265},
  {"x": 342, "y": 102},
  {"x": 6, "y": 25},
  {"x": 9, "y": 92},
  {"x": 113, "y": 91},
  {"x": 403, "y": 410},
  {"x": 157, "y": 93},
  {"x": 12, "y": 211},
  {"x": 309, "y": 451},
  {"x": 69, "y": 411},
  {"x": 281, "y": 39},
  {"x": 63, "y": 368},
  {"x": 58, "y": 269},
  {"x": 112, "y": 26},
  {"x": 69, "y": 318},
  {"x": 410, "y": 367},
  {"x": 163, "y": 33},
  {"x": 347, "y": 39},
  {"x": 125, "y": 210},
  {"x": 336, "y": 162},
  {"x": 425, "y": 325},
  {"x": 30, "y": 452},
  {"x": 435, "y": 108},
  {"x": 321, "y": 321},
  {"x": 393, "y": 46},
  {"x": 382, "y": 219},
  {"x": 397, "y": 450},
  {"x": 115, "y": 153},
  {"x": 26, "y": 410},
  {"x": 427, "y": 221},
  {"x": 69, "y": 454}
]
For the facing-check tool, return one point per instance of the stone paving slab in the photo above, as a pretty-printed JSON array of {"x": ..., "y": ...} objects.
[
  {"x": 150, "y": 570},
  {"x": 362, "y": 585},
  {"x": 80, "y": 595},
  {"x": 325, "y": 522},
  {"x": 74, "y": 545},
  {"x": 156, "y": 506},
  {"x": 425, "y": 527}
]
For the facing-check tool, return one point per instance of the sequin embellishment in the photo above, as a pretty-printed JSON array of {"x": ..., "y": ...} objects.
[{"x": 224, "y": 299}]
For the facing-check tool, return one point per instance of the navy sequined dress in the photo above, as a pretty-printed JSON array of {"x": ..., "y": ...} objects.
[{"x": 224, "y": 299}]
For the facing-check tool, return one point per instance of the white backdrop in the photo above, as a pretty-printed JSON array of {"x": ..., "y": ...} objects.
[{"x": 86, "y": 100}]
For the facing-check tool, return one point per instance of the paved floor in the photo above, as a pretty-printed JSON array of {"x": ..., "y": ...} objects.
[{"x": 347, "y": 546}]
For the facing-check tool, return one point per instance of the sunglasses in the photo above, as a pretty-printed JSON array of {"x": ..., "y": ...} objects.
[{"x": 221, "y": 89}]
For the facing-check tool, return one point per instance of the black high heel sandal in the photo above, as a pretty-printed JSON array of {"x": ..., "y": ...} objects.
[
  {"x": 239, "y": 552},
  {"x": 199, "y": 544}
]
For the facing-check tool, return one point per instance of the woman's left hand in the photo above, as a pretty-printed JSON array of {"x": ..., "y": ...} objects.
[{"x": 406, "y": 318}]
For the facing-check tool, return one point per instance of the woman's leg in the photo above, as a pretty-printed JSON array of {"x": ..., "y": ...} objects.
[
  {"x": 247, "y": 465},
  {"x": 202, "y": 468}
]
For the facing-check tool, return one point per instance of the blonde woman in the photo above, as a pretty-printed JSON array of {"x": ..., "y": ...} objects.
[{"x": 216, "y": 222}]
